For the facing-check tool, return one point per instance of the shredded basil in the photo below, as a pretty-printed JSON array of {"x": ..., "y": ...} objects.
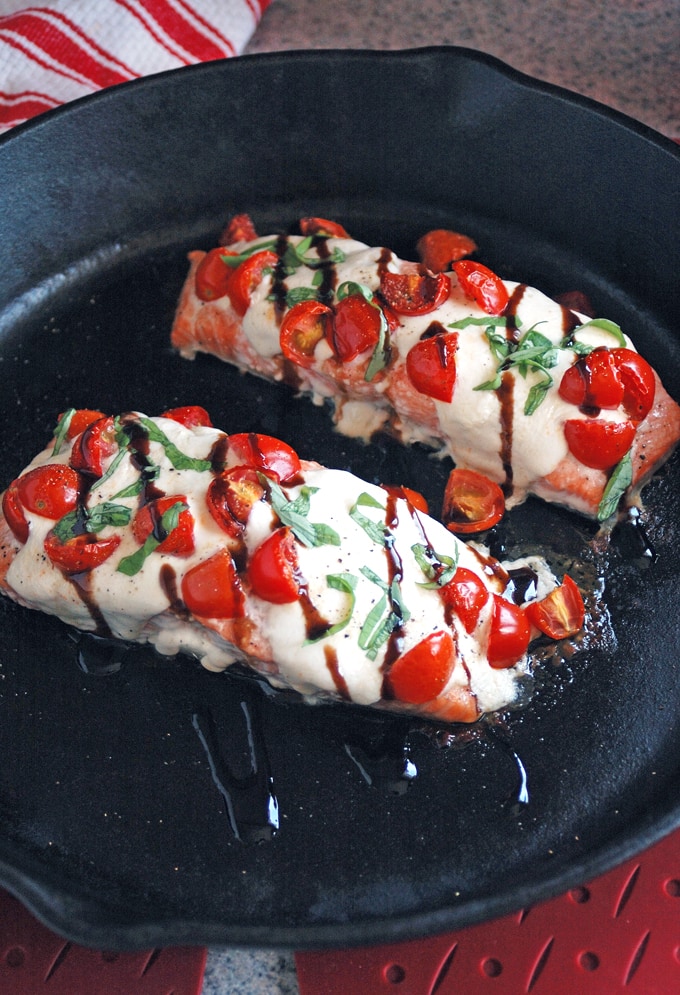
[
  {"x": 377, "y": 531},
  {"x": 61, "y": 430},
  {"x": 533, "y": 351},
  {"x": 234, "y": 261},
  {"x": 92, "y": 520},
  {"x": 179, "y": 460},
  {"x": 132, "y": 564},
  {"x": 345, "y": 582},
  {"x": 617, "y": 485},
  {"x": 607, "y": 326},
  {"x": 294, "y": 515},
  {"x": 438, "y": 567}
]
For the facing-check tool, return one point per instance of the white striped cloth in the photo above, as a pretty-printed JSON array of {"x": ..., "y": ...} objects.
[{"x": 58, "y": 50}]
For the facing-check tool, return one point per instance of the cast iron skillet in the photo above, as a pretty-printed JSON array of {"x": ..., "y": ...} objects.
[{"x": 130, "y": 811}]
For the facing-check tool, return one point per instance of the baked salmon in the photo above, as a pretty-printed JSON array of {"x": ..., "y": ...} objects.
[
  {"x": 168, "y": 531},
  {"x": 537, "y": 396}
]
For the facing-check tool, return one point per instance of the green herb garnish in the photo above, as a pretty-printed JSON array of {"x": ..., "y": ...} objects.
[
  {"x": 437, "y": 567},
  {"x": 61, "y": 430},
  {"x": 132, "y": 564},
  {"x": 179, "y": 460},
  {"x": 617, "y": 485},
  {"x": 294, "y": 515},
  {"x": 345, "y": 582}
]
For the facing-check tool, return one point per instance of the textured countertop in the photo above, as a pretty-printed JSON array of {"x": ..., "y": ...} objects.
[{"x": 625, "y": 55}]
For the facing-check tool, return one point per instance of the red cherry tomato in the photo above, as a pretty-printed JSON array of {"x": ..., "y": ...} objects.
[
  {"x": 421, "y": 673},
  {"x": 414, "y": 498},
  {"x": 639, "y": 383},
  {"x": 79, "y": 553},
  {"x": 472, "y": 502},
  {"x": 189, "y": 415},
  {"x": 597, "y": 443},
  {"x": 431, "y": 366},
  {"x": 561, "y": 613},
  {"x": 415, "y": 293},
  {"x": 93, "y": 446},
  {"x": 212, "y": 589},
  {"x": 231, "y": 496},
  {"x": 80, "y": 419},
  {"x": 264, "y": 453},
  {"x": 247, "y": 277},
  {"x": 213, "y": 275},
  {"x": 356, "y": 327},
  {"x": 440, "y": 248},
  {"x": 509, "y": 634},
  {"x": 239, "y": 229},
  {"x": 13, "y": 513},
  {"x": 302, "y": 329},
  {"x": 482, "y": 285},
  {"x": 50, "y": 491},
  {"x": 593, "y": 382},
  {"x": 273, "y": 568},
  {"x": 322, "y": 226},
  {"x": 180, "y": 541},
  {"x": 467, "y": 595}
]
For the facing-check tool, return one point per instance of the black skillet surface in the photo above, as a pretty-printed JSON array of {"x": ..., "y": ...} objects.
[{"x": 113, "y": 827}]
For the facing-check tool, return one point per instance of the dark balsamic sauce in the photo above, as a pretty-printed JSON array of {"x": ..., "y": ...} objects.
[
  {"x": 395, "y": 572},
  {"x": 279, "y": 289},
  {"x": 505, "y": 393},
  {"x": 329, "y": 276},
  {"x": 339, "y": 681}
]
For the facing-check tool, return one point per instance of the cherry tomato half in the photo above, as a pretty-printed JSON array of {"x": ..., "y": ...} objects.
[
  {"x": 50, "y": 491},
  {"x": 598, "y": 443},
  {"x": 356, "y": 327},
  {"x": 79, "y": 553},
  {"x": 593, "y": 382},
  {"x": 561, "y": 613},
  {"x": 482, "y": 285},
  {"x": 639, "y": 383},
  {"x": 247, "y": 277},
  {"x": 180, "y": 541},
  {"x": 13, "y": 513},
  {"x": 94, "y": 446},
  {"x": 231, "y": 496},
  {"x": 439, "y": 249},
  {"x": 212, "y": 276},
  {"x": 302, "y": 328},
  {"x": 472, "y": 502},
  {"x": 422, "y": 672},
  {"x": 189, "y": 415},
  {"x": 265, "y": 453},
  {"x": 322, "y": 226},
  {"x": 212, "y": 589},
  {"x": 80, "y": 419},
  {"x": 273, "y": 568},
  {"x": 467, "y": 595},
  {"x": 240, "y": 228},
  {"x": 414, "y": 498},
  {"x": 415, "y": 293},
  {"x": 509, "y": 633},
  {"x": 431, "y": 366}
]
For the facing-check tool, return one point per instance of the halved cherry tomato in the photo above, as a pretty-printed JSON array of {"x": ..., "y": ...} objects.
[
  {"x": 509, "y": 633},
  {"x": 93, "y": 446},
  {"x": 414, "y": 498},
  {"x": 472, "y": 502},
  {"x": 467, "y": 595},
  {"x": 189, "y": 415},
  {"x": 179, "y": 542},
  {"x": 303, "y": 327},
  {"x": 593, "y": 382},
  {"x": 240, "y": 228},
  {"x": 264, "y": 453},
  {"x": 458, "y": 704},
  {"x": 273, "y": 568},
  {"x": 431, "y": 366},
  {"x": 13, "y": 513},
  {"x": 79, "y": 553},
  {"x": 322, "y": 226},
  {"x": 80, "y": 419},
  {"x": 415, "y": 293},
  {"x": 231, "y": 496},
  {"x": 482, "y": 285},
  {"x": 561, "y": 613},
  {"x": 213, "y": 275},
  {"x": 50, "y": 491},
  {"x": 247, "y": 277},
  {"x": 639, "y": 383},
  {"x": 212, "y": 589},
  {"x": 440, "y": 248},
  {"x": 598, "y": 443},
  {"x": 356, "y": 327},
  {"x": 421, "y": 673}
]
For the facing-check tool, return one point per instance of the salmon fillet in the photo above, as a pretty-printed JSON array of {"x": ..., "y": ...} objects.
[
  {"x": 170, "y": 532},
  {"x": 505, "y": 418}
]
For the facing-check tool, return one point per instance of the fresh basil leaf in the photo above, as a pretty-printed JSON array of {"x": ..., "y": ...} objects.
[
  {"x": 438, "y": 567},
  {"x": 607, "y": 326},
  {"x": 381, "y": 354},
  {"x": 537, "y": 394},
  {"x": 61, "y": 430},
  {"x": 374, "y": 578},
  {"x": 345, "y": 582},
  {"x": 65, "y": 528},
  {"x": 377, "y": 531},
  {"x": 617, "y": 485},
  {"x": 179, "y": 460},
  {"x": 372, "y": 624},
  {"x": 107, "y": 513},
  {"x": 487, "y": 322},
  {"x": 234, "y": 261},
  {"x": 350, "y": 287},
  {"x": 294, "y": 515}
]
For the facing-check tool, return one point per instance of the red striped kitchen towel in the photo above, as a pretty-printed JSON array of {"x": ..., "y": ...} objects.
[{"x": 58, "y": 50}]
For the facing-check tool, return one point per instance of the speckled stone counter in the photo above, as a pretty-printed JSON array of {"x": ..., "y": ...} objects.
[{"x": 624, "y": 54}]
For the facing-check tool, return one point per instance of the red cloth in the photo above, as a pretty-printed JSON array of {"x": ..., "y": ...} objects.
[{"x": 62, "y": 49}]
